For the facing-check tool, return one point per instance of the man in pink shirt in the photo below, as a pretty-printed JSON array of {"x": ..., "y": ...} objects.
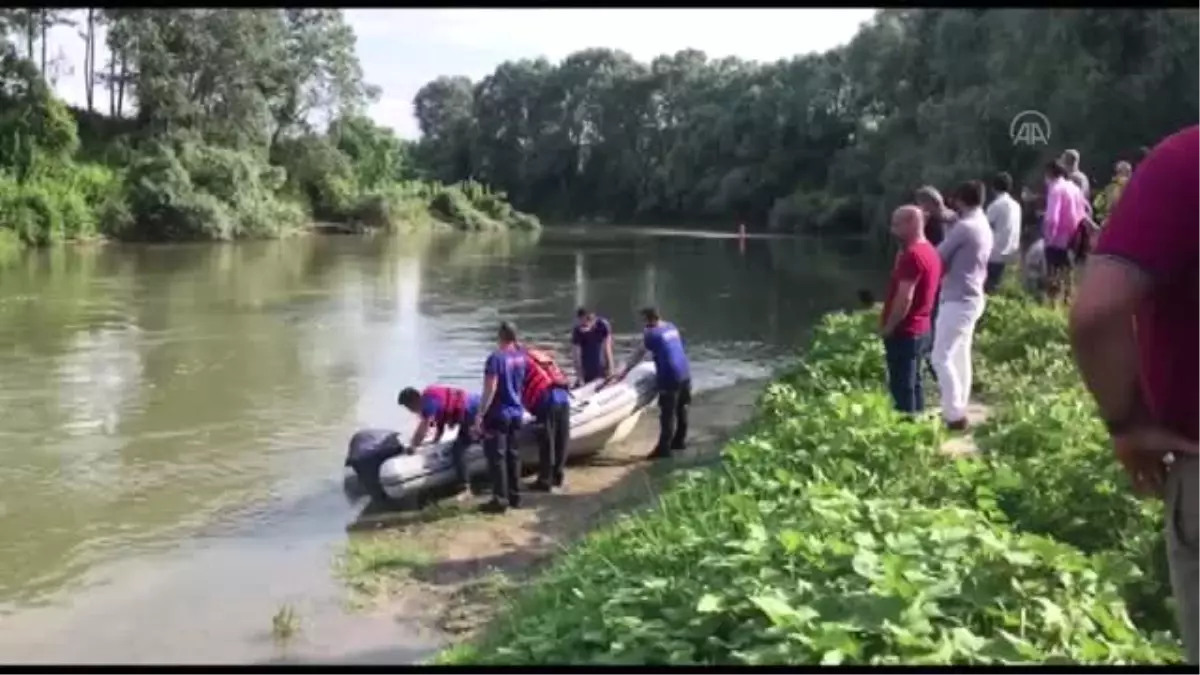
[
  {"x": 1066, "y": 208},
  {"x": 1135, "y": 329}
]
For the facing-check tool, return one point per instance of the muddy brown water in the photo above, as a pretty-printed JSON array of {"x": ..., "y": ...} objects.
[{"x": 174, "y": 418}]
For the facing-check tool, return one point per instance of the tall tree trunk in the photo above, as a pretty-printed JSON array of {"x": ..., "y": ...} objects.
[
  {"x": 112, "y": 85},
  {"x": 121, "y": 85},
  {"x": 89, "y": 60},
  {"x": 43, "y": 24},
  {"x": 31, "y": 21}
]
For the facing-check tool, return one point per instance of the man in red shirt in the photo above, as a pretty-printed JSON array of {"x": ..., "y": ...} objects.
[
  {"x": 905, "y": 323},
  {"x": 1134, "y": 333}
]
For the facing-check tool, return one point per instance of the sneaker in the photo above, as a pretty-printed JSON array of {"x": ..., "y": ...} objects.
[
  {"x": 514, "y": 502},
  {"x": 678, "y": 446},
  {"x": 559, "y": 481},
  {"x": 957, "y": 425},
  {"x": 493, "y": 507},
  {"x": 540, "y": 486}
]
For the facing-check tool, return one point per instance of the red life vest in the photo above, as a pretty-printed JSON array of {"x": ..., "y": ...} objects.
[
  {"x": 541, "y": 375},
  {"x": 453, "y": 404}
]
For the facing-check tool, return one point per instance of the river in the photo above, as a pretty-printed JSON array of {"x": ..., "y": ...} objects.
[{"x": 173, "y": 418}]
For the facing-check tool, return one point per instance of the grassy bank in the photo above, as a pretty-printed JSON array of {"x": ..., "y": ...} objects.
[{"x": 836, "y": 532}]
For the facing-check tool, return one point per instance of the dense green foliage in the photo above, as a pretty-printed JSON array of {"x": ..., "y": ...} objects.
[
  {"x": 836, "y": 531},
  {"x": 208, "y": 132},
  {"x": 822, "y": 142}
]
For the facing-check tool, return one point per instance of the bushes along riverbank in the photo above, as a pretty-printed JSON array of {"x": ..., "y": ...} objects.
[
  {"x": 223, "y": 143},
  {"x": 837, "y": 532}
]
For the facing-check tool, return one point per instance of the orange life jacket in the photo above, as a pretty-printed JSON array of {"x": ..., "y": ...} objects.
[
  {"x": 541, "y": 375},
  {"x": 454, "y": 404}
]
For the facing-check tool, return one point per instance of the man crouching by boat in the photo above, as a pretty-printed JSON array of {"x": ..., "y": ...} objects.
[
  {"x": 440, "y": 406},
  {"x": 500, "y": 419},
  {"x": 672, "y": 377},
  {"x": 545, "y": 396}
]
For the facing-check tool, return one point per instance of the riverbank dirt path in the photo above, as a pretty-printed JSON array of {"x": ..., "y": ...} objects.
[{"x": 450, "y": 568}]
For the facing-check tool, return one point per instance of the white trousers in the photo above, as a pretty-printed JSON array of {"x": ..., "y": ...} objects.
[{"x": 952, "y": 337}]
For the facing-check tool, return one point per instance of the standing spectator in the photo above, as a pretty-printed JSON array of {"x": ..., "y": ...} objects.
[
  {"x": 1066, "y": 209},
  {"x": 1070, "y": 161},
  {"x": 964, "y": 255},
  {"x": 1004, "y": 216},
  {"x": 905, "y": 321},
  {"x": 1134, "y": 333},
  {"x": 938, "y": 218}
]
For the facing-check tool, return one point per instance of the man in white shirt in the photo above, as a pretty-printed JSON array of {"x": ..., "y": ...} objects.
[
  {"x": 964, "y": 253},
  {"x": 1004, "y": 215}
]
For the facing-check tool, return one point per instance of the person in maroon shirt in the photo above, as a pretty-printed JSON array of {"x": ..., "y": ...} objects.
[
  {"x": 905, "y": 322},
  {"x": 1134, "y": 331}
]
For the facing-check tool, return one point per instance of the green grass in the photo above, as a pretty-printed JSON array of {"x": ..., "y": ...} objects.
[
  {"x": 372, "y": 566},
  {"x": 285, "y": 624},
  {"x": 834, "y": 531}
]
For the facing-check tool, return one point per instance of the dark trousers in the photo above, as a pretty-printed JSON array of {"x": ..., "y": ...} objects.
[
  {"x": 589, "y": 373},
  {"x": 458, "y": 453},
  {"x": 904, "y": 354},
  {"x": 995, "y": 272},
  {"x": 503, "y": 458},
  {"x": 552, "y": 438},
  {"x": 673, "y": 405},
  {"x": 927, "y": 357}
]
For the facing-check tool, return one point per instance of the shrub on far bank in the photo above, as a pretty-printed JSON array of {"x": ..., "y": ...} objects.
[
  {"x": 189, "y": 191},
  {"x": 179, "y": 187}
]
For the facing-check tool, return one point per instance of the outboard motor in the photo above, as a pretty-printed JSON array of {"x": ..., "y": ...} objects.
[{"x": 369, "y": 449}]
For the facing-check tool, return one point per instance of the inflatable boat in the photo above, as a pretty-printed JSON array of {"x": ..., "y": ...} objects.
[{"x": 599, "y": 415}]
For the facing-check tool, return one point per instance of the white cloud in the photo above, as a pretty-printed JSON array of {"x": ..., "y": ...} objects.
[{"x": 402, "y": 49}]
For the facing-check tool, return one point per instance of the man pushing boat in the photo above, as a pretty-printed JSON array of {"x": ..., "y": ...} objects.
[
  {"x": 672, "y": 377},
  {"x": 441, "y": 406},
  {"x": 591, "y": 347}
]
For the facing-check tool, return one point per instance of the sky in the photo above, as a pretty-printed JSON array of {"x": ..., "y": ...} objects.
[{"x": 402, "y": 49}]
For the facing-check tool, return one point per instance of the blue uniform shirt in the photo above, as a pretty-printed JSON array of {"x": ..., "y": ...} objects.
[
  {"x": 591, "y": 348},
  {"x": 508, "y": 367},
  {"x": 670, "y": 360}
]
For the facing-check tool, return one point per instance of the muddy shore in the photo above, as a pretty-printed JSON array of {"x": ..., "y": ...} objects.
[{"x": 442, "y": 571}]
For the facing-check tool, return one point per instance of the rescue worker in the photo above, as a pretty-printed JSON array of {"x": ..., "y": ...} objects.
[
  {"x": 673, "y": 380},
  {"x": 591, "y": 347},
  {"x": 440, "y": 407},
  {"x": 500, "y": 419},
  {"x": 545, "y": 396}
]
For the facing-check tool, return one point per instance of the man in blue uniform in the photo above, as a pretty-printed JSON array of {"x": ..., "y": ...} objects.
[
  {"x": 591, "y": 341},
  {"x": 673, "y": 379},
  {"x": 439, "y": 407},
  {"x": 503, "y": 380}
]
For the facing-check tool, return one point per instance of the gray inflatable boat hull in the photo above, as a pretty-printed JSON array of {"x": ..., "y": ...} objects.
[{"x": 599, "y": 416}]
